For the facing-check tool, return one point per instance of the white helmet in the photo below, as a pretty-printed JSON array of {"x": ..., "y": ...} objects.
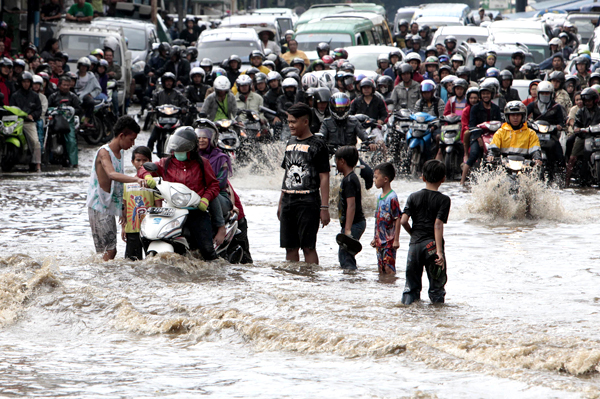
[
  {"x": 273, "y": 75},
  {"x": 309, "y": 80},
  {"x": 289, "y": 82},
  {"x": 457, "y": 57},
  {"x": 326, "y": 80},
  {"x": 111, "y": 43},
  {"x": 555, "y": 41},
  {"x": 38, "y": 79},
  {"x": 197, "y": 71},
  {"x": 545, "y": 87},
  {"x": 222, "y": 83},
  {"x": 84, "y": 61},
  {"x": 412, "y": 56},
  {"x": 243, "y": 80}
]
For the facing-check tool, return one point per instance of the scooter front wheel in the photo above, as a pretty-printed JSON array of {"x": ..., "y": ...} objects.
[{"x": 96, "y": 134}]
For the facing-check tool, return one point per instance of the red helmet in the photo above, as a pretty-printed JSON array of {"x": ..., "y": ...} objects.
[
  {"x": 327, "y": 59},
  {"x": 340, "y": 53}
]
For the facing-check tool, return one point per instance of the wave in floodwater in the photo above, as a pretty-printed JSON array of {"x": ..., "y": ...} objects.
[
  {"x": 161, "y": 296},
  {"x": 492, "y": 195}
]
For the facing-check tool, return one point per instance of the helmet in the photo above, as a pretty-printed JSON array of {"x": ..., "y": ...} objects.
[
  {"x": 405, "y": 68},
  {"x": 288, "y": 70},
  {"x": 175, "y": 51},
  {"x": 472, "y": 90},
  {"x": 269, "y": 64},
  {"x": 572, "y": 78},
  {"x": 20, "y": 63},
  {"x": 427, "y": 85},
  {"x": 83, "y": 61},
  {"x": 367, "y": 82},
  {"x": 545, "y": 87},
  {"x": 340, "y": 53},
  {"x": 408, "y": 37},
  {"x": 402, "y": 22},
  {"x": 44, "y": 76},
  {"x": 290, "y": 82},
  {"x": 310, "y": 93},
  {"x": 394, "y": 53},
  {"x": 505, "y": 75},
  {"x": 480, "y": 56},
  {"x": 27, "y": 76},
  {"x": 252, "y": 71},
  {"x": 216, "y": 72},
  {"x": 349, "y": 78},
  {"x": 560, "y": 76},
  {"x": 296, "y": 61},
  {"x": 380, "y": 58},
  {"x": 97, "y": 52},
  {"x": 326, "y": 81},
  {"x": 417, "y": 39},
  {"x": 530, "y": 70},
  {"x": 443, "y": 58},
  {"x": 489, "y": 84},
  {"x": 448, "y": 79},
  {"x": 257, "y": 53},
  {"x": 518, "y": 53},
  {"x": 516, "y": 107},
  {"x": 309, "y": 80},
  {"x": 184, "y": 139},
  {"x": 431, "y": 47},
  {"x": 534, "y": 82},
  {"x": 457, "y": 58},
  {"x": 273, "y": 75},
  {"x": 197, "y": 71},
  {"x": 65, "y": 57},
  {"x": 206, "y": 62},
  {"x": 582, "y": 60},
  {"x": 359, "y": 77},
  {"x": 327, "y": 59},
  {"x": 431, "y": 61},
  {"x": 243, "y": 80},
  {"x": 237, "y": 58},
  {"x": 164, "y": 46},
  {"x": 323, "y": 47},
  {"x": 322, "y": 95},
  {"x": 348, "y": 67},
  {"x": 589, "y": 94},
  {"x": 7, "y": 62},
  {"x": 168, "y": 75},
  {"x": 93, "y": 60},
  {"x": 221, "y": 83},
  {"x": 463, "y": 70},
  {"x": 446, "y": 68},
  {"x": 339, "y": 105},
  {"x": 412, "y": 56},
  {"x": 385, "y": 80},
  {"x": 289, "y": 32},
  {"x": 193, "y": 51},
  {"x": 260, "y": 78},
  {"x": 450, "y": 39},
  {"x": 424, "y": 28},
  {"x": 38, "y": 79},
  {"x": 103, "y": 63},
  {"x": 492, "y": 73},
  {"x": 461, "y": 83},
  {"x": 555, "y": 41}
]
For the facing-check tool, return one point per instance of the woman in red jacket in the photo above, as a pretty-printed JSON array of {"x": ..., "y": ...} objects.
[
  {"x": 185, "y": 166},
  {"x": 472, "y": 99}
]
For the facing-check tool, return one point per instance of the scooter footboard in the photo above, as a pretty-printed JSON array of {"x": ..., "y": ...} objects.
[{"x": 160, "y": 247}]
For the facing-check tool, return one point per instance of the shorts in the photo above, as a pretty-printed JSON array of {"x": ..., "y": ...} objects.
[
  {"x": 386, "y": 257},
  {"x": 104, "y": 231},
  {"x": 578, "y": 147},
  {"x": 299, "y": 221}
]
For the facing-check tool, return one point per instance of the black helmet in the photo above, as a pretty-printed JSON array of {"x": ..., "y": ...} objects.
[
  {"x": 175, "y": 51},
  {"x": 168, "y": 75},
  {"x": 589, "y": 94},
  {"x": 385, "y": 80},
  {"x": 27, "y": 76},
  {"x": 560, "y": 76},
  {"x": 257, "y": 53},
  {"x": 322, "y": 94},
  {"x": 164, "y": 46},
  {"x": 450, "y": 39},
  {"x": 237, "y": 58},
  {"x": 252, "y": 71},
  {"x": 367, "y": 82},
  {"x": 406, "y": 68},
  {"x": 323, "y": 47},
  {"x": 285, "y": 71},
  {"x": 184, "y": 139},
  {"x": 417, "y": 39},
  {"x": 505, "y": 74},
  {"x": 461, "y": 83},
  {"x": 530, "y": 70},
  {"x": 193, "y": 51},
  {"x": 517, "y": 53},
  {"x": 402, "y": 22},
  {"x": 464, "y": 70},
  {"x": 260, "y": 78}
]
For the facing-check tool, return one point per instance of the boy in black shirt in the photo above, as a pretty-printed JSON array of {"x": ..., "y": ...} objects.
[
  {"x": 306, "y": 164},
  {"x": 352, "y": 218},
  {"x": 429, "y": 211}
]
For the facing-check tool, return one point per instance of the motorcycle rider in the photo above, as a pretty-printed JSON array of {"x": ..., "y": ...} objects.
[
  {"x": 402, "y": 32},
  {"x": 157, "y": 63},
  {"x": 185, "y": 166},
  {"x": 383, "y": 63},
  {"x": 179, "y": 66},
  {"x": 518, "y": 59},
  {"x": 514, "y": 137},
  {"x": 207, "y": 65},
  {"x": 408, "y": 91},
  {"x": 342, "y": 129},
  {"x": 290, "y": 89},
  {"x": 368, "y": 103},
  {"x": 479, "y": 71},
  {"x": 582, "y": 64},
  {"x": 484, "y": 111},
  {"x": 506, "y": 79},
  {"x": 29, "y": 101},
  {"x": 450, "y": 44},
  {"x": 557, "y": 78},
  {"x": 168, "y": 95},
  {"x": 428, "y": 102},
  {"x": 64, "y": 93},
  {"x": 260, "y": 84},
  {"x": 256, "y": 60},
  {"x": 37, "y": 86},
  {"x": 321, "y": 98},
  {"x": 385, "y": 86},
  {"x": 457, "y": 103},
  {"x": 221, "y": 103},
  {"x": 87, "y": 88},
  {"x": 394, "y": 57},
  {"x": 270, "y": 99},
  {"x": 195, "y": 92},
  {"x": 245, "y": 97},
  {"x": 233, "y": 66},
  {"x": 587, "y": 116},
  {"x": 416, "y": 48}
]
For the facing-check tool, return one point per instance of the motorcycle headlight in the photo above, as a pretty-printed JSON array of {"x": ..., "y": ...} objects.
[
  {"x": 225, "y": 123},
  {"x": 172, "y": 225},
  {"x": 448, "y": 140},
  {"x": 168, "y": 111},
  {"x": 405, "y": 113},
  {"x": 543, "y": 128},
  {"x": 180, "y": 200},
  {"x": 8, "y": 130},
  {"x": 256, "y": 117}
]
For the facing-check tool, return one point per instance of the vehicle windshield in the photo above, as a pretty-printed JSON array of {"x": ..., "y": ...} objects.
[
  {"x": 136, "y": 39},
  {"x": 505, "y": 60},
  {"x": 462, "y": 38},
  {"x": 517, "y": 30},
  {"x": 78, "y": 46},
  {"x": 584, "y": 27},
  {"x": 219, "y": 51},
  {"x": 364, "y": 61},
  {"x": 540, "y": 53},
  {"x": 309, "y": 41}
]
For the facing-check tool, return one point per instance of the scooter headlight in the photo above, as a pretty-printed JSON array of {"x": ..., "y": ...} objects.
[
  {"x": 180, "y": 200},
  {"x": 543, "y": 128},
  {"x": 8, "y": 130},
  {"x": 225, "y": 123},
  {"x": 169, "y": 227}
]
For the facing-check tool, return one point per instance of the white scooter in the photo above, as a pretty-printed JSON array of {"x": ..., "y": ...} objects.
[{"x": 162, "y": 229}]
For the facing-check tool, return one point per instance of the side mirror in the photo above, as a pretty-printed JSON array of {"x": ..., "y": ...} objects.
[{"x": 150, "y": 167}]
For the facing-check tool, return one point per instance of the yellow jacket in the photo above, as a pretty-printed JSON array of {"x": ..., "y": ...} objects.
[
  {"x": 524, "y": 141},
  {"x": 288, "y": 57}
]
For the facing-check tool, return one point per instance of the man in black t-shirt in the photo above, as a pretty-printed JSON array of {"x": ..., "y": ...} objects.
[
  {"x": 429, "y": 211},
  {"x": 301, "y": 206},
  {"x": 51, "y": 11}
]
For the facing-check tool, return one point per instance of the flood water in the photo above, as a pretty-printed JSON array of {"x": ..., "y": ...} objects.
[{"x": 521, "y": 319}]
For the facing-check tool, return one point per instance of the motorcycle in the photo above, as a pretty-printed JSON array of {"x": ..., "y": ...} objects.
[
  {"x": 168, "y": 118},
  {"x": 418, "y": 140},
  {"x": 549, "y": 136},
  {"x": 451, "y": 145},
  {"x": 395, "y": 138},
  {"x": 229, "y": 138},
  {"x": 58, "y": 126},
  {"x": 592, "y": 147},
  {"x": 103, "y": 120},
  {"x": 163, "y": 228},
  {"x": 15, "y": 148},
  {"x": 485, "y": 131}
]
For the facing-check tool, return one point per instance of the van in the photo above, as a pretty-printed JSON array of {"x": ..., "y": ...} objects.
[
  {"x": 275, "y": 24},
  {"x": 319, "y": 11},
  {"x": 403, "y": 13},
  {"x": 79, "y": 40},
  {"x": 338, "y": 32},
  {"x": 442, "y": 14},
  {"x": 381, "y": 29}
]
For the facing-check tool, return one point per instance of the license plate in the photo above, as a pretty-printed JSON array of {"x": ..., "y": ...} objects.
[
  {"x": 420, "y": 126},
  {"x": 161, "y": 211},
  {"x": 164, "y": 121},
  {"x": 544, "y": 137},
  {"x": 10, "y": 118},
  {"x": 456, "y": 126}
]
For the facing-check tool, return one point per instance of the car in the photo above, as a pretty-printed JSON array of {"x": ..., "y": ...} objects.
[
  {"x": 79, "y": 40},
  {"x": 219, "y": 44},
  {"x": 318, "y": 12},
  {"x": 461, "y": 33},
  {"x": 381, "y": 30},
  {"x": 403, "y": 13},
  {"x": 369, "y": 73},
  {"x": 276, "y": 24},
  {"x": 365, "y": 57},
  {"x": 442, "y": 14},
  {"x": 522, "y": 86},
  {"x": 436, "y": 22},
  {"x": 285, "y": 12},
  {"x": 519, "y": 26},
  {"x": 141, "y": 35},
  {"x": 503, "y": 52},
  {"x": 536, "y": 44}
]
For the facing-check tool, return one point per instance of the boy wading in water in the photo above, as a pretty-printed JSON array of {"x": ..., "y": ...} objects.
[
  {"x": 105, "y": 190},
  {"x": 387, "y": 220},
  {"x": 352, "y": 218},
  {"x": 301, "y": 207},
  {"x": 428, "y": 210}
]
